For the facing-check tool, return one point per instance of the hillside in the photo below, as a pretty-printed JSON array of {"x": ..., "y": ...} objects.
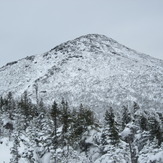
[
  {"x": 92, "y": 69},
  {"x": 88, "y": 100}
]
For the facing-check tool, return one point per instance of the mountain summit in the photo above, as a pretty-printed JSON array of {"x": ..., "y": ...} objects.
[{"x": 93, "y": 69}]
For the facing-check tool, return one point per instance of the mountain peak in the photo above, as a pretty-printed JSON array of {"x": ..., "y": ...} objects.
[
  {"x": 96, "y": 37},
  {"x": 91, "y": 45},
  {"x": 92, "y": 69}
]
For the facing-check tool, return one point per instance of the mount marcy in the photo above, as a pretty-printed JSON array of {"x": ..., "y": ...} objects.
[{"x": 93, "y": 70}]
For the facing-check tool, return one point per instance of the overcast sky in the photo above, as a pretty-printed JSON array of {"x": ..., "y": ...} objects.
[{"x": 29, "y": 27}]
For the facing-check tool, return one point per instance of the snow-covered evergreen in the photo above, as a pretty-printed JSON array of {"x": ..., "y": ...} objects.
[{"x": 77, "y": 136}]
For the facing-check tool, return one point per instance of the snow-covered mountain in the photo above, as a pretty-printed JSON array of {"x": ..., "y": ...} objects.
[{"x": 93, "y": 69}]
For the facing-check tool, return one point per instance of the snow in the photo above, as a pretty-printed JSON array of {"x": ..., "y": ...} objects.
[
  {"x": 150, "y": 157},
  {"x": 94, "y": 70},
  {"x": 5, "y": 146},
  {"x": 126, "y": 132},
  {"x": 107, "y": 159},
  {"x": 46, "y": 158},
  {"x": 91, "y": 70},
  {"x": 5, "y": 155},
  {"x": 157, "y": 157}
]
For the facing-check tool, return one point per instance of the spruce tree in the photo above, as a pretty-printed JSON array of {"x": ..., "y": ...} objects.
[
  {"x": 54, "y": 115},
  {"x": 143, "y": 123},
  {"x": 155, "y": 130},
  {"x": 83, "y": 118},
  {"x": 1, "y": 102},
  {"x": 135, "y": 107},
  {"x": 65, "y": 116},
  {"x": 27, "y": 109},
  {"x": 15, "y": 150},
  {"x": 126, "y": 117},
  {"x": 66, "y": 121},
  {"x": 10, "y": 105},
  {"x": 110, "y": 128}
]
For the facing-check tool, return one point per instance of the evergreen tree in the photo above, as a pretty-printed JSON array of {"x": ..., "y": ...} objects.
[
  {"x": 9, "y": 105},
  {"x": 155, "y": 130},
  {"x": 54, "y": 115},
  {"x": 65, "y": 116},
  {"x": 27, "y": 109},
  {"x": 81, "y": 120},
  {"x": 143, "y": 123},
  {"x": 41, "y": 108},
  {"x": 126, "y": 117},
  {"x": 89, "y": 117},
  {"x": 1, "y": 102},
  {"x": 66, "y": 120},
  {"x": 135, "y": 107},
  {"x": 110, "y": 129},
  {"x": 15, "y": 150},
  {"x": 80, "y": 123},
  {"x": 129, "y": 137}
]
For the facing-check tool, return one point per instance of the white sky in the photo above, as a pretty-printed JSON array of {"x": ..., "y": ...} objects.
[{"x": 29, "y": 27}]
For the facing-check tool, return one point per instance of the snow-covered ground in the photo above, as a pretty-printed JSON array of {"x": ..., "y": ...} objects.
[
  {"x": 5, "y": 154},
  {"x": 116, "y": 155}
]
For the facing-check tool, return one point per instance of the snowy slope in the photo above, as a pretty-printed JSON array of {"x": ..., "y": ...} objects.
[{"x": 92, "y": 69}]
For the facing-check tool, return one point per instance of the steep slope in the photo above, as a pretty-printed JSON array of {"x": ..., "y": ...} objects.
[{"x": 92, "y": 69}]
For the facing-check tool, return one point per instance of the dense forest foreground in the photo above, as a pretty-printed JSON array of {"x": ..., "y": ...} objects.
[{"x": 40, "y": 133}]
